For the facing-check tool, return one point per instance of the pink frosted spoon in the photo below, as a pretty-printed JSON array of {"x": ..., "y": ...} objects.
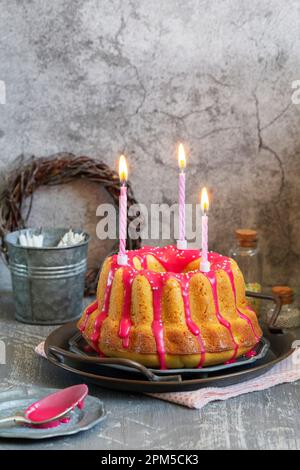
[{"x": 52, "y": 409}]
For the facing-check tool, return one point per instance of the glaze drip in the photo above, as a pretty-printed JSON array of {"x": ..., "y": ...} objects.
[
  {"x": 241, "y": 315},
  {"x": 104, "y": 312},
  {"x": 213, "y": 282},
  {"x": 185, "y": 284},
  {"x": 143, "y": 261},
  {"x": 250, "y": 354},
  {"x": 90, "y": 309},
  {"x": 125, "y": 323},
  {"x": 157, "y": 325}
]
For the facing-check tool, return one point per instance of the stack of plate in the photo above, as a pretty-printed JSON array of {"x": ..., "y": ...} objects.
[{"x": 66, "y": 348}]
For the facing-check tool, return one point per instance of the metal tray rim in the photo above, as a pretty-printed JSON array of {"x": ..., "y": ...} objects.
[
  {"x": 143, "y": 385},
  {"x": 264, "y": 344}
]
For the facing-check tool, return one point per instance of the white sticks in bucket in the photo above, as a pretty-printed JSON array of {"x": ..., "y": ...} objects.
[
  {"x": 37, "y": 241},
  {"x": 28, "y": 239},
  {"x": 71, "y": 238}
]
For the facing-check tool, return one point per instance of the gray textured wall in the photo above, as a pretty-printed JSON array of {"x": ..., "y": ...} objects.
[{"x": 104, "y": 76}]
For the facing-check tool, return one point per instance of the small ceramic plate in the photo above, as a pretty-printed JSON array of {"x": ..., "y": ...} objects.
[{"x": 16, "y": 399}]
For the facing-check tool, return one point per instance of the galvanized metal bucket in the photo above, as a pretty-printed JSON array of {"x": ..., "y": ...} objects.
[{"x": 48, "y": 282}]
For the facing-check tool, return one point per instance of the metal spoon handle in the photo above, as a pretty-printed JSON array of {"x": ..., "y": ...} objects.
[{"x": 14, "y": 419}]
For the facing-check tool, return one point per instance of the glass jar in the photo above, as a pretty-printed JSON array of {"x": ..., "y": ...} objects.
[
  {"x": 248, "y": 256},
  {"x": 289, "y": 316}
]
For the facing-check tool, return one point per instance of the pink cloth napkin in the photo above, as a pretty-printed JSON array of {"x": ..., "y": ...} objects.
[{"x": 286, "y": 371}]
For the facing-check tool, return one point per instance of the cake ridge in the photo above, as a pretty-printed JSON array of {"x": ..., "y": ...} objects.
[
  {"x": 125, "y": 322},
  {"x": 103, "y": 314},
  {"x": 211, "y": 276},
  {"x": 157, "y": 325},
  {"x": 190, "y": 324},
  {"x": 241, "y": 314}
]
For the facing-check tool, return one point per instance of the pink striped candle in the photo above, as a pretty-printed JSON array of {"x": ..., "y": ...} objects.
[
  {"x": 204, "y": 264},
  {"x": 123, "y": 173},
  {"x": 181, "y": 191},
  {"x": 181, "y": 243}
]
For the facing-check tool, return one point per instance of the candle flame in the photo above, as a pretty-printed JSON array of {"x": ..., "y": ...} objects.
[
  {"x": 204, "y": 201},
  {"x": 181, "y": 157},
  {"x": 123, "y": 170}
]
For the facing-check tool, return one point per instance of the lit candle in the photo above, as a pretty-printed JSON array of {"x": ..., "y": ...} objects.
[
  {"x": 123, "y": 174},
  {"x": 181, "y": 243},
  {"x": 205, "y": 264}
]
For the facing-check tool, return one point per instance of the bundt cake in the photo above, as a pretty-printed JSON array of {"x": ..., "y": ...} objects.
[{"x": 162, "y": 311}]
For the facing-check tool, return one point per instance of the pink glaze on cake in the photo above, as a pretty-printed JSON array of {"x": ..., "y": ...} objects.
[
  {"x": 125, "y": 323},
  {"x": 157, "y": 326},
  {"x": 211, "y": 276},
  {"x": 174, "y": 262},
  {"x": 185, "y": 284},
  {"x": 250, "y": 354},
  {"x": 101, "y": 317},
  {"x": 242, "y": 315},
  {"x": 90, "y": 309}
]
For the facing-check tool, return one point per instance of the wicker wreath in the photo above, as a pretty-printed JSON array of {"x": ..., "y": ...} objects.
[{"x": 58, "y": 169}]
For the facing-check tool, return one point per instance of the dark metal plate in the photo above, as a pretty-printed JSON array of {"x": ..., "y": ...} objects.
[
  {"x": 78, "y": 346},
  {"x": 280, "y": 348}
]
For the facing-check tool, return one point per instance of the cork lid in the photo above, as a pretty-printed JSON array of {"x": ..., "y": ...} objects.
[
  {"x": 246, "y": 237},
  {"x": 285, "y": 293}
]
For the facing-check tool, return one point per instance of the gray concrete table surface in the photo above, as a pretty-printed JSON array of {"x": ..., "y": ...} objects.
[{"x": 261, "y": 420}]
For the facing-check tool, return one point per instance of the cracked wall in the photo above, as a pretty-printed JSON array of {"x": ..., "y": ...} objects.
[{"x": 104, "y": 77}]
